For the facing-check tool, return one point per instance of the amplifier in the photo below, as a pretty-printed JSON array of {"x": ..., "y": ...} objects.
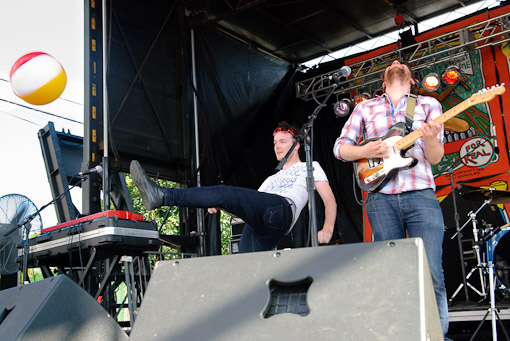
[
  {"x": 234, "y": 245},
  {"x": 236, "y": 227}
]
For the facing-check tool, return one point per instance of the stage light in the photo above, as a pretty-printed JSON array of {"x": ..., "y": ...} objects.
[
  {"x": 361, "y": 98},
  {"x": 343, "y": 107},
  {"x": 431, "y": 82},
  {"x": 451, "y": 76}
]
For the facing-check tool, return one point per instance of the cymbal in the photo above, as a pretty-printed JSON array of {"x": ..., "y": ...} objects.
[{"x": 482, "y": 194}]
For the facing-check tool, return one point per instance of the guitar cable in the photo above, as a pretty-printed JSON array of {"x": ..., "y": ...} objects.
[{"x": 361, "y": 202}]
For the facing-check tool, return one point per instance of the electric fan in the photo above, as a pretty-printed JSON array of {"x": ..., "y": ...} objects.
[{"x": 15, "y": 209}]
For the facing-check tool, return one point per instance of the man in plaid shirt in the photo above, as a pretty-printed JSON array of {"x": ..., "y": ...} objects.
[{"x": 406, "y": 204}]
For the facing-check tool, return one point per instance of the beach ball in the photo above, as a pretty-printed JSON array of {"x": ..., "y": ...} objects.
[{"x": 38, "y": 78}]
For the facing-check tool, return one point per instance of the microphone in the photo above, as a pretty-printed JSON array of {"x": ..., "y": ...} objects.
[
  {"x": 345, "y": 71},
  {"x": 97, "y": 169}
]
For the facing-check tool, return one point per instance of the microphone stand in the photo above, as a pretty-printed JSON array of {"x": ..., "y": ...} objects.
[
  {"x": 310, "y": 183},
  {"x": 28, "y": 225}
]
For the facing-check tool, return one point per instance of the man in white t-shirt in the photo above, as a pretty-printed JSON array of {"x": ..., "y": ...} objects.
[{"x": 269, "y": 212}]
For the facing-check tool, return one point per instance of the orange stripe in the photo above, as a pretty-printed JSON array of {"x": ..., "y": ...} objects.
[{"x": 49, "y": 91}]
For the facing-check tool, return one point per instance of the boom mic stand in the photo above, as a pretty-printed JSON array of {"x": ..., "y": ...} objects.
[
  {"x": 26, "y": 223},
  {"x": 310, "y": 183}
]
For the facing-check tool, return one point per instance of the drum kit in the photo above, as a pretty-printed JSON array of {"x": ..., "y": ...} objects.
[{"x": 491, "y": 246}]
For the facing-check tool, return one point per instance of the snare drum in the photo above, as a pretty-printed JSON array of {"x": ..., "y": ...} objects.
[{"x": 498, "y": 252}]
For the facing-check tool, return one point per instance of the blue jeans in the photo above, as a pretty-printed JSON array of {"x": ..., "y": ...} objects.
[
  {"x": 418, "y": 213},
  {"x": 267, "y": 216}
]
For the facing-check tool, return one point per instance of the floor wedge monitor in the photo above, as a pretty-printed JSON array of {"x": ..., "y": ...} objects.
[
  {"x": 362, "y": 291},
  {"x": 55, "y": 308}
]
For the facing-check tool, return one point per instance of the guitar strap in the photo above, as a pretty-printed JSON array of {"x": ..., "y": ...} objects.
[{"x": 411, "y": 104}]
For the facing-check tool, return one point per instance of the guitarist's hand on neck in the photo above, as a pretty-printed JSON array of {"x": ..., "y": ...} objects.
[{"x": 433, "y": 149}]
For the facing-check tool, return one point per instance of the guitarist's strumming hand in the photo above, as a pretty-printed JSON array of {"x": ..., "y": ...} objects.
[
  {"x": 433, "y": 149},
  {"x": 375, "y": 150}
]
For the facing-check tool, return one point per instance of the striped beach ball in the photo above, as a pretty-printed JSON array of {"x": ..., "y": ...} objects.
[{"x": 38, "y": 78}]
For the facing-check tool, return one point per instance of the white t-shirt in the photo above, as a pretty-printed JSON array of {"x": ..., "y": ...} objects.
[{"x": 291, "y": 183}]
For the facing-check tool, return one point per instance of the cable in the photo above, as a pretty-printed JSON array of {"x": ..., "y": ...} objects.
[
  {"x": 23, "y": 119},
  {"x": 41, "y": 111},
  {"x": 359, "y": 202},
  {"x": 314, "y": 91}
]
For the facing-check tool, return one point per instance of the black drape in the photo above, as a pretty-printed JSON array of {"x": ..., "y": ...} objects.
[{"x": 243, "y": 94}]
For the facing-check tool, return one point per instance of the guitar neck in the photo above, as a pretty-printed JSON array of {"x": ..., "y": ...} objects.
[{"x": 408, "y": 140}]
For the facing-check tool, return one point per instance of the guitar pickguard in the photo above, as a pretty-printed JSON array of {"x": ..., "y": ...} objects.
[{"x": 372, "y": 174}]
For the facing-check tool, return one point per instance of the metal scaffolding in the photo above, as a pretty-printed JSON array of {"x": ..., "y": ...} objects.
[{"x": 450, "y": 46}]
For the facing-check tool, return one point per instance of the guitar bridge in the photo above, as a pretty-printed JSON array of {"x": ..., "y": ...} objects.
[{"x": 374, "y": 176}]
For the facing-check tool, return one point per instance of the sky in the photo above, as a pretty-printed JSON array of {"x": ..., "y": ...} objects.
[{"x": 54, "y": 27}]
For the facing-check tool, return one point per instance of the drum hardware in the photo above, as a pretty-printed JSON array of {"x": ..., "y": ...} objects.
[
  {"x": 498, "y": 252},
  {"x": 488, "y": 233},
  {"x": 483, "y": 194},
  {"x": 491, "y": 237},
  {"x": 491, "y": 244},
  {"x": 476, "y": 248}
]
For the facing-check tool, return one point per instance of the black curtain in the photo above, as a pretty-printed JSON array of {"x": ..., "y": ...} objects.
[
  {"x": 243, "y": 94},
  {"x": 234, "y": 81}
]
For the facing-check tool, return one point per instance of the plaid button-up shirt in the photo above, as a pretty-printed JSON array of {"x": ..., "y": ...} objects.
[{"x": 374, "y": 118}]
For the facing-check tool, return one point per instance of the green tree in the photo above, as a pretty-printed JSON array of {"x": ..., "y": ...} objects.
[{"x": 172, "y": 224}]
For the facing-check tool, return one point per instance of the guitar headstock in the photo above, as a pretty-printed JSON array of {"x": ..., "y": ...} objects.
[{"x": 487, "y": 94}]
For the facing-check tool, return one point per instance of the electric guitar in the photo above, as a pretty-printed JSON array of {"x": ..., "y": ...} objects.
[{"x": 373, "y": 174}]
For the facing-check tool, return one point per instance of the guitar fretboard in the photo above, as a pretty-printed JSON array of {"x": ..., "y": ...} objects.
[{"x": 481, "y": 97}]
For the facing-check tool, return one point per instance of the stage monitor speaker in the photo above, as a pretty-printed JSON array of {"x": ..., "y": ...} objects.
[
  {"x": 362, "y": 291},
  {"x": 55, "y": 308}
]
